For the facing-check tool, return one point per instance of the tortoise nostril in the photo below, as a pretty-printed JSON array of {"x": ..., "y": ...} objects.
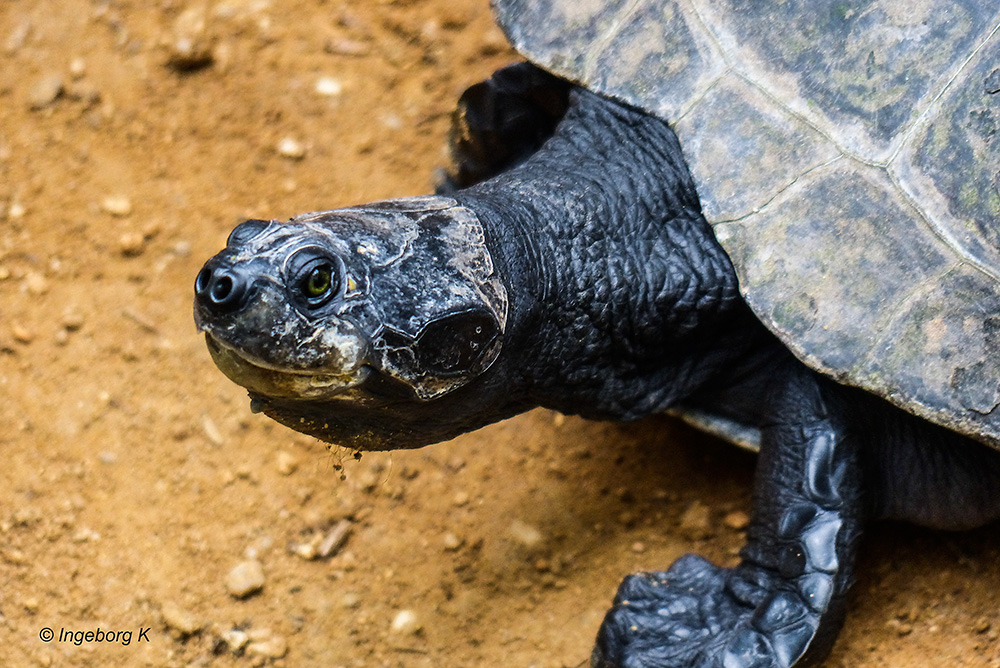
[
  {"x": 202, "y": 282},
  {"x": 220, "y": 288}
]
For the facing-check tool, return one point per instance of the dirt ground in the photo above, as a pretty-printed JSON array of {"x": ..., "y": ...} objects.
[{"x": 133, "y": 136}]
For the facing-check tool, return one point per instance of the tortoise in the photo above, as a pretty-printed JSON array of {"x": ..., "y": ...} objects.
[{"x": 780, "y": 220}]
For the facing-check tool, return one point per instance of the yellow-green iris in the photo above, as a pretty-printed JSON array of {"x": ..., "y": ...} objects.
[{"x": 318, "y": 282}]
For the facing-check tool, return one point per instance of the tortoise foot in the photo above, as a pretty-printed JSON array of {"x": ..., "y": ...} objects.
[
  {"x": 699, "y": 615},
  {"x": 502, "y": 121}
]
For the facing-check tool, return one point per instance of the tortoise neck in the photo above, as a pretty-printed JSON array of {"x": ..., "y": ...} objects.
[{"x": 616, "y": 281}]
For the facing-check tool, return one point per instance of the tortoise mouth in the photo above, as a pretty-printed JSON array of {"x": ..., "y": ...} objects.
[{"x": 272, "y": 381}]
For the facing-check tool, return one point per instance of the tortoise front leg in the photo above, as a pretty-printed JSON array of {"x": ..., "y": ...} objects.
[
  {"x": 500, "y": 122},
  {"x": 785, "y": 600}
]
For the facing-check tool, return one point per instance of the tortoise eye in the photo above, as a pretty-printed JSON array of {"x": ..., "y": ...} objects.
[
  {"x": 318, "y": 282},
  {"x": 315, "y": 277}
]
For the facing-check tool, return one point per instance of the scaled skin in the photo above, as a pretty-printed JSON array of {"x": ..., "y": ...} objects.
[{"x": 622, "y": 304}]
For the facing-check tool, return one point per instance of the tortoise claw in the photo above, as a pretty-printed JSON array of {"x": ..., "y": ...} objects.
[{"x": 700, "y": 615}]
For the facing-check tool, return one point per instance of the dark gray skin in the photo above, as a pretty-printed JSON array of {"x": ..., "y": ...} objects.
[{"x": 622, "y": 304}]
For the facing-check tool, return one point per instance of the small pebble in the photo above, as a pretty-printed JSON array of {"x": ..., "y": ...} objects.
[
  {"x": 347, "y": 47},
  {"x": 86, "y": 535},
  {"x": 405, "y": 623},
  {"x": 211, "y": 431},
  {"x": 179, "y": 619},
  {"x": 350, "y": 601},
  {"x": 638, "y": 547},
  {"x": 45, "y": 90},
  {"x": 259, "y": 546},
  {"x": 77, "y": 68},
  {"x": 369, "y": 481},
  {"x": 329, "y": 87},
  {"x": 901, "y": 628},
  {"x": 26, "y": 516},
  {"x": 334, "y": 540},
  {"x": 291, "y": 149},
  {"x": 452, "y": 542},
  {"x": 190, "y": 45},
  {"x": 981, "y": 625},
  {"x": 235, "y": 640},
  {"x": 22, "y": 334},
  {"x": 286, "y": 462},
  {"x": 35, "y": 283},
  {"x": 737, "y": 520},
  {"x": 695, "y": 521},
  {"x": 271, "y": 647},
  {"x": 525, "y": 534},
  {"x": 15, "y": 557},
  {"x": 117, "y": 205},
  {"x": 392, "y": 121},
  {"x": 72, "y": 320},
  {"x": 245, "y": 579},
  {"x": 306, "y": 551},
  {"x": 460, "y": 499},
  {"x": 16, "y": 211},
  {"x": 17, "y": 37},
  {"x": 131, "y": 244}
]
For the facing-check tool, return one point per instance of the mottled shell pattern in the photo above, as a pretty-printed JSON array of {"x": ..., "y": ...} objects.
[{"x": 847, "y": 154}]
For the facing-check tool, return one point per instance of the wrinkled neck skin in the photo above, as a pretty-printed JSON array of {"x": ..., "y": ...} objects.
[{"x": 622, "y": 301}]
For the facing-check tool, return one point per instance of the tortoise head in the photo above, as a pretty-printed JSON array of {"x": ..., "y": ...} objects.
[{"x": 337, "y": 315}]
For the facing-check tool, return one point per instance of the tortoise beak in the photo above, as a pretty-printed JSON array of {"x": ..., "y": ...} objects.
[{"x": 262, "y": 379}]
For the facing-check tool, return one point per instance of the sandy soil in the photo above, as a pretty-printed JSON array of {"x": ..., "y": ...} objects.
[{"x": 133, "y": 136}]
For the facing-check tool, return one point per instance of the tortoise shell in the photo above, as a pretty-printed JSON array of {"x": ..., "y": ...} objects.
[{"x": 847, "y": 155}]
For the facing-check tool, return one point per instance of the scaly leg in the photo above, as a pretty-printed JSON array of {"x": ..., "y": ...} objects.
[
  {"x": 500, "y": 122},
  {"x": 785, "y": 600}
]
